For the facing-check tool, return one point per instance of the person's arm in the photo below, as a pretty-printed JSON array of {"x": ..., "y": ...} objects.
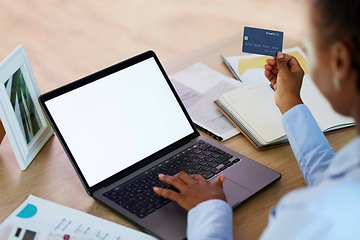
[
  {"x": 298, "y": 216},
  {"x": 310, "y": 147},
  {"x": 309, "y": 144},
  {"x": 211, "y": 219},
  {"x": 295, "y": 217}
]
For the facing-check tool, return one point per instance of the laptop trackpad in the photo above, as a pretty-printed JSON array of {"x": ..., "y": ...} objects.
[{"x": 235, "y": 193}]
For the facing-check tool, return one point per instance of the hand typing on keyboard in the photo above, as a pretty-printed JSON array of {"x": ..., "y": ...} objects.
[
  {"x": 192, "y": 189},
  {"x": 138, "y": 195}
]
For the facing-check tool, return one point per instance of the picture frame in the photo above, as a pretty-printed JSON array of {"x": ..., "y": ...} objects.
[{"x": 21, "y": 115}]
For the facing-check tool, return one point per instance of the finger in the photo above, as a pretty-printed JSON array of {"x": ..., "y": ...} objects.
[
  {"x": 273, "y": 82},
  {"x": 184, "y": 177},
  {"x": 268, "y": 67},
  {"x": 271, "y": 69},
  {"x": 198, "y": 177},
  {"x": 173, "y": 181},
  {"x": 166, "y": 193},
  {"x": 281, "y": 60},
  {"x": 219, "y": 181},
  {"x": 275, "y": 86},
  {"x": 285, "y": 60},
  {"x": 275, "y": 71},
  {"x": 294, "y": 64},
  {"x": 271, "y": 62},
  {"x": 270, "y": 76}
]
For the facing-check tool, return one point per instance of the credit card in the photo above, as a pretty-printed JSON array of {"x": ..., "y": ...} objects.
[{"x": 262, "y": 41}]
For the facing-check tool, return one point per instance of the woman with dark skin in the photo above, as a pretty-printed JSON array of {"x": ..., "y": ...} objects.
[{"x": 329, "y": 207}]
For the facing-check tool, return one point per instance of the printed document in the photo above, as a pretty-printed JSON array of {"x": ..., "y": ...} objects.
[
  {"x": 36, "y": 216},
  {"x": 198, "y": 87}
]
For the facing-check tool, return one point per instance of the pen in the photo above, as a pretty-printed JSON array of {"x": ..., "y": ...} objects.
[{"x": 272, "y": 87}]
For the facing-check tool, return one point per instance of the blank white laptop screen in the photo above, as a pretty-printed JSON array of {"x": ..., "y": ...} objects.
[{"x": 114, "y": 122}]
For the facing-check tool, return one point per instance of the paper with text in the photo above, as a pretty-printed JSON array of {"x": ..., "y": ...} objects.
[
  {"x": 198, "y": 87},
  {"x": 39, "y": 215}
]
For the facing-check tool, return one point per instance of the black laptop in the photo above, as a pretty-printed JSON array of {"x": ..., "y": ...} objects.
[{"x": 125, "y": 124}]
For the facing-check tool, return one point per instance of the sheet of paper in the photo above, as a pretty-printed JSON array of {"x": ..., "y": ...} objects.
[
  {"x": 198, "y": 87},
  {"x": 39, "y": 215}
]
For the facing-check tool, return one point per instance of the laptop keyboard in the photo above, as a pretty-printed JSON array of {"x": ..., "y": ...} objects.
[{"x": 138, "y": 196}]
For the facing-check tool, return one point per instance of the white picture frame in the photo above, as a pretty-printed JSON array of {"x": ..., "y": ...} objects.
[{"x": 22, "y": 117}]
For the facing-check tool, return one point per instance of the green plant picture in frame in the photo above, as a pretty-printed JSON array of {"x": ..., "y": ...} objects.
[
  {"x": 23, "y": 105},
  {"x": 23, "y": 120}
]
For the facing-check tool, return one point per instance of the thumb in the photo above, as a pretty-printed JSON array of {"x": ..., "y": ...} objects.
[
  {"x": 219, "y": 182},
  {"x": 281, "y": 61}
]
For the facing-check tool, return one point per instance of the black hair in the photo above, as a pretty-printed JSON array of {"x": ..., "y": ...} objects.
[{"x": 340, "y": 20}]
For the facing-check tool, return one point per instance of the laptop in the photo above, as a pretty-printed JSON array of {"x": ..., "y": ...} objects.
[{"x": 125, "y": 124}]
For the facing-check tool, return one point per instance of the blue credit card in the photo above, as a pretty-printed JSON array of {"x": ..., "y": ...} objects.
[{"x": 262, "y": 41}]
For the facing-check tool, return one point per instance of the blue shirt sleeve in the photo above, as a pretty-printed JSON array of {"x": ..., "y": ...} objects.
[
  {"x": 303, "y": 213},
  {"x": 211, "y": 220},
  {"x": 310, "y": 147}
]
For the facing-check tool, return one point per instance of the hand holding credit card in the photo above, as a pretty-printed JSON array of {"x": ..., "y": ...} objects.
[{"x": 262, "y": 41}]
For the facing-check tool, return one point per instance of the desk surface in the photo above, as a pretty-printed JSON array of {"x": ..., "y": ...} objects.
[{"x": 51, "y": 176}]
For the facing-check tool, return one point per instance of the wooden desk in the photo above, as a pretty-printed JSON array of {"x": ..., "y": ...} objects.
[{"x": 52, "y": 177}]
